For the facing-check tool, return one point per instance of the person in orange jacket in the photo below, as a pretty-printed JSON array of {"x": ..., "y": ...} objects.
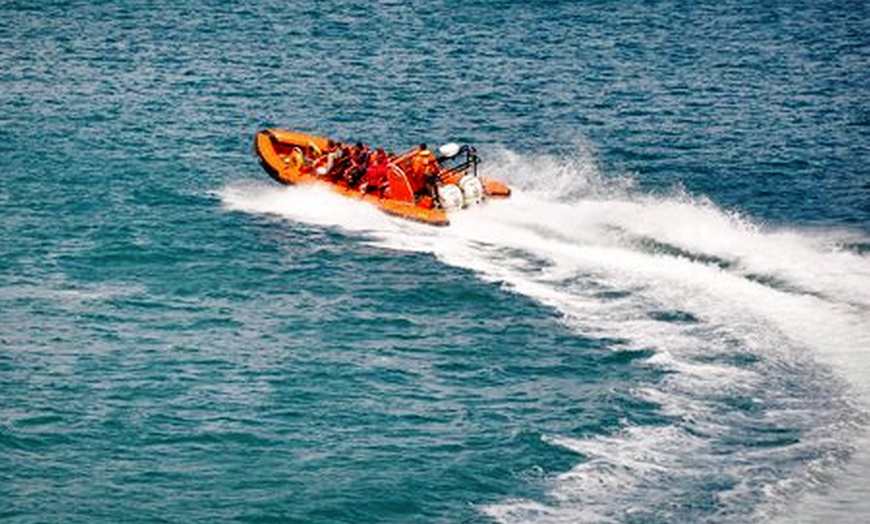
[{"x": 424, "y": 171}]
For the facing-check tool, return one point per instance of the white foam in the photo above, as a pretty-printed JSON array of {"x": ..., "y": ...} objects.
[
  {"x": 308, "y": 204},
  {"x": 608, "y": 263}
]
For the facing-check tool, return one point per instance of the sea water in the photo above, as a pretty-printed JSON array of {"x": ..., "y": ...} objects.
[{"x": 669, "y": 321}]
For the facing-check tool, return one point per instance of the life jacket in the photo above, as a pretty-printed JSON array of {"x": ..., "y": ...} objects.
[
  {"x": 297, "y": 159},
  {"x": 376, "y": 174},
  {"x": 423, "y": 164}
]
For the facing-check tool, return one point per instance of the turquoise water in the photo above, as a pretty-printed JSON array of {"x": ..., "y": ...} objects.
[{"x": 668, "y": 322}]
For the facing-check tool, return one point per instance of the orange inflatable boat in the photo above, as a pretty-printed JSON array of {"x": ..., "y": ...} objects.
[{"x": 417, "y": 185}]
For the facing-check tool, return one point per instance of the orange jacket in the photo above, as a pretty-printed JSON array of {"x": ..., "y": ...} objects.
[{"x": 423, "y": 164}]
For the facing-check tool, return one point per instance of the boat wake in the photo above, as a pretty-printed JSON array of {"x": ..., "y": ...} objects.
[{"x": 762, "y": 334}]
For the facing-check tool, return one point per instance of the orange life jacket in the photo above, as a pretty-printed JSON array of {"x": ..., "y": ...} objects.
[{"x": 423, "y": 164}]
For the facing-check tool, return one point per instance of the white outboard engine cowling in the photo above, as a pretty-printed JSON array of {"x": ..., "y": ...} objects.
[
  {"x": 472, "y": 189},
  {"x": 450, "y": 196}
]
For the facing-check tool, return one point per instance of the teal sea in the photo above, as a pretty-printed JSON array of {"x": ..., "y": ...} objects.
[{"x": 669, "y": 321}]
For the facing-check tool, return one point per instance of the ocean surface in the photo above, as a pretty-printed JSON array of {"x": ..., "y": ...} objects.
[{"x": 669, "y": 321}]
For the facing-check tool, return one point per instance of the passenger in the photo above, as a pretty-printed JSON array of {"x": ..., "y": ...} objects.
[
  {"x": 297, "y": 158},
  {"x": 376, "y": 174},
  {"x": 324, "y": 164},
  {"x": 341, "y": 164},
  {"x": 359, "y": 162},
  {"x": 314, "y": 151},
  {"x": 424, "y": 172},
  {"x": 310, "y": 155}
]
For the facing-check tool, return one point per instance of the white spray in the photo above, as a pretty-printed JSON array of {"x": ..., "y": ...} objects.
[{"x": 573, "y": 241}]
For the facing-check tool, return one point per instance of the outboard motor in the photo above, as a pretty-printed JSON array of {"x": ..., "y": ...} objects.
[
  {"x": 450, "y": 196},
  {"x": 472, "y": 189}
]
